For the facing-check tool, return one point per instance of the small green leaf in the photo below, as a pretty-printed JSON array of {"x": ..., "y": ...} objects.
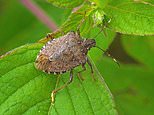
[
  {"x": 66, "y": 3},
  {"x": 81, "y": 18},
  {"x": 26, "y": 90},
  {"x": 140, "y": 48},
  {"x": 131, "y": 18}
]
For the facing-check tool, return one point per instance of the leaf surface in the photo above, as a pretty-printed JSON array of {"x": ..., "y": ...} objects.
[
  {"x": 25, "y": 90},
  {"x": 131, "y": 17},
  {"x": 131, "y": 85}
]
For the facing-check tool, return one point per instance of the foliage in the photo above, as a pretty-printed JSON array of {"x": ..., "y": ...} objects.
[{"x": 25, "y": 90}]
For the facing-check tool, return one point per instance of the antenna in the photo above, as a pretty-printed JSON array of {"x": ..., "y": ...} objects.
[
  {"x": 107, "y": 54},
  {"x": 102, "y": 30},
  {"x": 98, "y": 33}
]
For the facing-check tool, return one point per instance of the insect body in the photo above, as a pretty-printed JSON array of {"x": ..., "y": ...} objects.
[{"x": 64, "y": 54}]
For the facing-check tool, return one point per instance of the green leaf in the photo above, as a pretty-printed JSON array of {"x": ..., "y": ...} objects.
[
  {"x": 131, "y": 86},
  {"x": 25, "y": 90},
  {"x": 81, "y": 17},
  {"x": 131, "y": 18},
  {"x": 140, "y": 48},
  {"x": 66, "y": 3}
]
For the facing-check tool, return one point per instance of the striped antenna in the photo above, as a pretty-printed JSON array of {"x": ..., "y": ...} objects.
[{"x": 107, "y": 54}]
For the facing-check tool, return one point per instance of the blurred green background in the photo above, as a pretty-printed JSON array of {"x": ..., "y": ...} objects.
[{"x": 131, "y": 85}]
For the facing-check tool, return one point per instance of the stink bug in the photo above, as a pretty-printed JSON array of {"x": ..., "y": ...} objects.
[{"x": 64, "y": 54}]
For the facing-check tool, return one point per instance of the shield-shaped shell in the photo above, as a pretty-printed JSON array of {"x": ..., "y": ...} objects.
[{"x": 64, "y": 53}]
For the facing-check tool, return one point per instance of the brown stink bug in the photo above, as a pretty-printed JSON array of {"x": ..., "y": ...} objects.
[{"x": 64, "y": 54}]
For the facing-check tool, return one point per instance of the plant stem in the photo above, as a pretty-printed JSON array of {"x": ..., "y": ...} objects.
[{"x": 40, "y": 14}]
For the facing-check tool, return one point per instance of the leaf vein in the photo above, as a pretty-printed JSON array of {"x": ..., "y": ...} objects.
[
  {"x": 125, "y": 11},
  {"x": 41, "y": 101},
  {"x": 17, "y": 90},
  {"x": 87, "y": 97}
]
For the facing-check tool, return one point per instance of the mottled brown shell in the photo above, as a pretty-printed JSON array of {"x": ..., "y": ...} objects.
[{"x": 62, "y": 54}]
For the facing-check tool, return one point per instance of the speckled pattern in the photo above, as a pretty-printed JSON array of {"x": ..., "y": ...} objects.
[{"x": 64, "y": 53}]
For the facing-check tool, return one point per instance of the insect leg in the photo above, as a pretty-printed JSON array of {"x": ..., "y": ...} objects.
[
  {"x": 50, "y": 36},
  {"x": 58, "y": 79},
  {"x": 79, "y": 73},
  {"x": 71, "y": 77},
  {"x": 92, "y": 72},
  {"x": 62, "y": 87}
]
